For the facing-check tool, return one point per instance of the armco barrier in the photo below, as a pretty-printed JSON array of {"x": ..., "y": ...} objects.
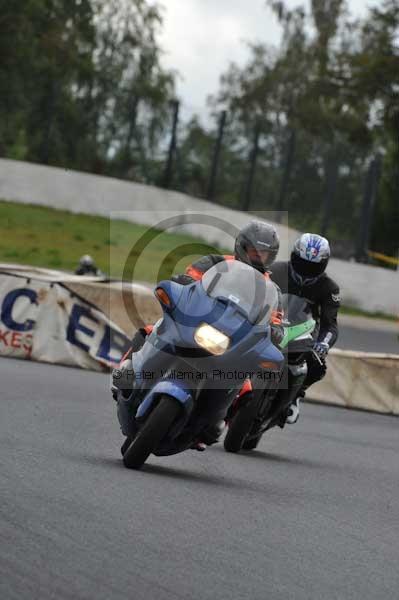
[
  {"x": 369, "y": 288},
  {"x": 354, "y": 379},
  {"x": 360, "y": 380}
]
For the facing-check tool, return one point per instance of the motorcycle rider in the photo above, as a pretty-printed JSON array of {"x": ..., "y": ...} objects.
[
  {"x": 304, "y": 275},
  {"x": 257, "y": 245},
  {"x": 87, "y": 266}
]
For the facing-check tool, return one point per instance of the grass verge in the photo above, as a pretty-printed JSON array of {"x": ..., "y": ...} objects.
[
  {"x": 357, "y": 312},
  {"x": 46, "y": 237}
]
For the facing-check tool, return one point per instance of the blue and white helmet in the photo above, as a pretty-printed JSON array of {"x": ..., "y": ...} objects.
[{"x": 309, "y": 258}]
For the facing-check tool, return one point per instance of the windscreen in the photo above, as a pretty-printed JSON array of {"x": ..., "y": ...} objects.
[
  {"x": 296, "y": 309},
  {"x": 235, "y": 282}
]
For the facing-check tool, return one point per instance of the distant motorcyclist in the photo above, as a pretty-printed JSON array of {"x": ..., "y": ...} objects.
[
  {"x": 304, "y": 275},
  {"x": 257, "y": 245},
  {"x": 87, "y": 266}
]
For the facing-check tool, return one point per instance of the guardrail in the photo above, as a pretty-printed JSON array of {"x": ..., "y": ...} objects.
[
  {"x": 52, "y": 317},
  {"x": 360, "y": 380}
]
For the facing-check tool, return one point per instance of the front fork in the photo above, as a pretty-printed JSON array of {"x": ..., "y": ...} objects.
[
  {"x": 126, "y": 410},
  {"x": 296, "y": 375},
  {"x": 262, "y": 397}
]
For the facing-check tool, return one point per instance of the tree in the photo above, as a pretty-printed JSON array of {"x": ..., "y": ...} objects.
[
  {"x": 132, "y": 91},
  {"x": 82, "y": 85},
  {"x": 337, "y": 89},
  {"x": 377, "y": 78}
]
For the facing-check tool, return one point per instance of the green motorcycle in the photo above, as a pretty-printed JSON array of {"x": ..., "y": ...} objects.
[{"x": 253, "y": 412}]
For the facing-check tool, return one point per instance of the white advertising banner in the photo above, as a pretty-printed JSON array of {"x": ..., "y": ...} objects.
[{"x": 45, "y": 321}]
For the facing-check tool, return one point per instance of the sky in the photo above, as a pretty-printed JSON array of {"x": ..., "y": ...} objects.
[{"x": 201, "y": 37}]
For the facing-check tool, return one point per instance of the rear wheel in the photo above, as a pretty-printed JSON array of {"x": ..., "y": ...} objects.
[
  {"x": 152, "y": 432},
  {"x": 252, "y": 443},
  {"x": 239, "y": 427}
]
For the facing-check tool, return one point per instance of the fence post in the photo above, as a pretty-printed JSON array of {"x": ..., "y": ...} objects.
[
  {"x": 331, "y": 184},
  {"x": 252, "y": 166},
  {"x": 287, "y": 168},
  {"x": 369, "y": 197},
  {"x": 167, "y": 177},
  {"x": 210, "y": 194}
]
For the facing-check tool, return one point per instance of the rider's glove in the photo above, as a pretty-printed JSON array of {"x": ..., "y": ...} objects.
[
  {"x": 276, "y": 334},
  {"x": 321, "y": 349},
  {"x": 138, "y": 340},
  {"x": 183, "y": 279}
]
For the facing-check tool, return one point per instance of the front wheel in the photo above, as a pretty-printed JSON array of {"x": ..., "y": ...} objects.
[
  {"x": 152, "y": 432},
  {"x": 239, "y": 427}
]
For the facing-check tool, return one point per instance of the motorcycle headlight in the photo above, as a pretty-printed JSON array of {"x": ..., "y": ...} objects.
[{"x": 211, "y": 339}]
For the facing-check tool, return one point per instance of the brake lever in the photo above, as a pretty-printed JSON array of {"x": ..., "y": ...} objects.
[{"x": 318, "y": 358}]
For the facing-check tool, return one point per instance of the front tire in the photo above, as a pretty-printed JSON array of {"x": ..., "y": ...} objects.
[
  {"x": 152, "y": 432},
  {"x": 239, "y": 427}
]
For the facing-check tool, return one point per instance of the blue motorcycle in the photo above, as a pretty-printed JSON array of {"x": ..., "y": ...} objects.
[{"x": 214, "y": 334}]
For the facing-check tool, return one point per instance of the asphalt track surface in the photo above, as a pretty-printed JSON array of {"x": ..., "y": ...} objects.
[
  {"x": 313, "y": 514},
  {"x": 355, "y": 338},
  {"x": 368, "y": 335}
]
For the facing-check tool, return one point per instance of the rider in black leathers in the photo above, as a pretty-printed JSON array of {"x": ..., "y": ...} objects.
[
  {"x": 304, "y": 275},
  {"x": 87, "y": 267}
]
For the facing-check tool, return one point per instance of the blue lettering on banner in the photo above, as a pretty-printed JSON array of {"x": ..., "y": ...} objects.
[
  {"x": 75, "y": 325},
  {"x": 113, "y": 343},
  {"x": 8, "y": 305},
  {"x": 112, "y": 340}
]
